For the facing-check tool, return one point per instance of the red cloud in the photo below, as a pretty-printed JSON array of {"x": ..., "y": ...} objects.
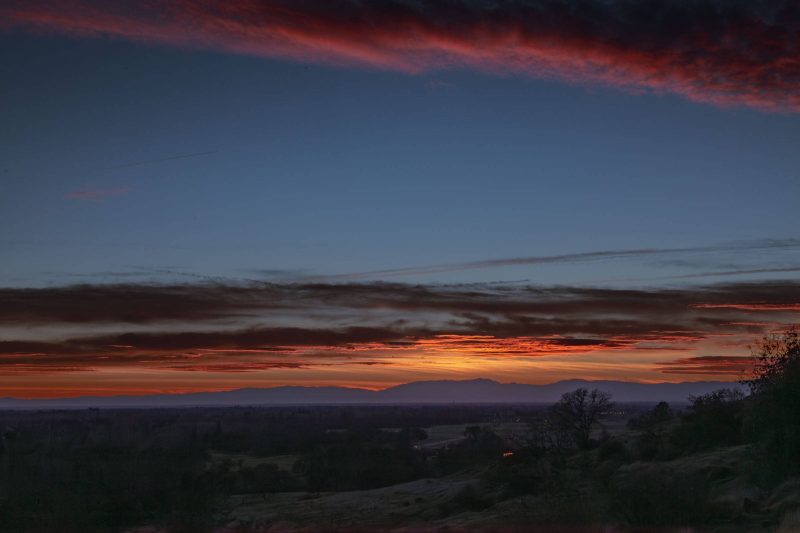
[{"x": 714, "y": 51}]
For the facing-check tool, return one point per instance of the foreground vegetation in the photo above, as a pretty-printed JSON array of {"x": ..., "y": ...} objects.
[{"x": 725, "y": 461}]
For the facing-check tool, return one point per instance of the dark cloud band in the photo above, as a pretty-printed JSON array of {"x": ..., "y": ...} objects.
[{"x": 299, "y": 325}]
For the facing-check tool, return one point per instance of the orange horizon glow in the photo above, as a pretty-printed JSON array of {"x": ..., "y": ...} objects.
[
  {"x": 150, "y": 339},
  {"x": 378, "y": 365}
]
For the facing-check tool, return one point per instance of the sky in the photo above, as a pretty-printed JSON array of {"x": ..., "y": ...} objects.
[{"x": 213, "y": 195}]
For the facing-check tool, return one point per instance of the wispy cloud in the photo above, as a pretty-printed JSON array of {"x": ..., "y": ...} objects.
[
  {"x": 583, "y": 257},
  {"x": 755, "y": 306},
  {"x": 723, "y": 52},
  {"x": 720, "y": 274}
]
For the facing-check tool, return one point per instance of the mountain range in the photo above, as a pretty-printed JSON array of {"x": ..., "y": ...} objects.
[{"x": 418, "y": 392}]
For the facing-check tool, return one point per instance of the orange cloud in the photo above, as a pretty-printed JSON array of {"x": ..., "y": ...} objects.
[{"x": 709, "y": 365}]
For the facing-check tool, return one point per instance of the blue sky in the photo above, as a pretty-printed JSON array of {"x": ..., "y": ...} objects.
[{"x": 322, "y": 170}]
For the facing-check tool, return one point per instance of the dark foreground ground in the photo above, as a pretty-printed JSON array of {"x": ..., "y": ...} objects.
[{"x": 413, "y": 468}]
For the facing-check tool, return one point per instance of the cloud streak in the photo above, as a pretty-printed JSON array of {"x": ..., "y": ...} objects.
[
  {"x": 722, "y": 52},
  {"x": 709, "y": 365},
  {"x": 221, "y": 303},
  {"x": 582, "y": 257},
  {"x": 257, "y": 326}
]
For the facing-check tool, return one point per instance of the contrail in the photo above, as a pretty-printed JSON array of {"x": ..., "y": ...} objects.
[
  {"x": 582, "y": 257},
  {"x": 712, "y": 274},
  {"x": 731, "y": 273}
]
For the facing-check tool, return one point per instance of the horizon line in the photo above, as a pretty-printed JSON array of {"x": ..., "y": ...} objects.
[{"x": 173, "y": 394}]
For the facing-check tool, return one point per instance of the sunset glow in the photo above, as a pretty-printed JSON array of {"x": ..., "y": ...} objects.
[
  {"x": 399, "y": 265},
  {"x": 420, "y": 333},
  {"x": 213, "y": 195}
]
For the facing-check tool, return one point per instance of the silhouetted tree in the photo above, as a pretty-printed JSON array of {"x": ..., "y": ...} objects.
[
  {"x": 774, "y": 411},
  {"x": 580, "y": 411},
  {"x": 777, "y": 363},
  {"x": 713, "y": 419}
]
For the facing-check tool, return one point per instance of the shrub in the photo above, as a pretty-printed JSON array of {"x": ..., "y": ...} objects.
[{"x": 714, "y": 419}]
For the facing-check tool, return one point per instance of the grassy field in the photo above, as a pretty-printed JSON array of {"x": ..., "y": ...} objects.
[
  {"x": 240, "y": 460},
  {"x": 437, "y": 504},
  {"x": 415, "y": 503},
  {"x": 467, "y": 501}
]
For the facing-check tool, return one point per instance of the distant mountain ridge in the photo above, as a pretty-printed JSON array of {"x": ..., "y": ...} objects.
[{"x": 418, "y": 392}]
